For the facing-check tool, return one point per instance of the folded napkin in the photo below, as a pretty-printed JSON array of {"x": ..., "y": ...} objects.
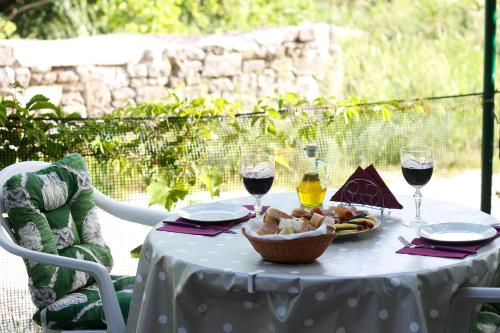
[
  {"x": 445, "y": 254},
  {"x": 366, "y": 187},
  {"x": 208, "y": 229}
]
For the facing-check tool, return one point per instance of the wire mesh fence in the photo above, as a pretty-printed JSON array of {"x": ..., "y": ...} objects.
[{"x": 452, "y": 125}]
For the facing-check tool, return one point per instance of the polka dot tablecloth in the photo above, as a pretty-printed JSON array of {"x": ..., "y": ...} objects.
[{"x": 189, "y": 283}]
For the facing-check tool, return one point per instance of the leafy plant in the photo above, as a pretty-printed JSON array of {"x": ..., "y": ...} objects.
[
  {"x": 281, "y": 124},
  {"x": 170, "y": 144},
  {"x": 34, "y": 129}
]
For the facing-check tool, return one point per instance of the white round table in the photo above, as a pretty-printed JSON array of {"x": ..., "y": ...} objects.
[{"x": 189, "y": 283}]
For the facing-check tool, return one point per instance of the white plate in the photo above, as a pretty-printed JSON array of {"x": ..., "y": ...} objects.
[
  {"x": 213, "y": 212},
  {"x": 457, "y": 232},
  {"x": 376, "y": 224}
]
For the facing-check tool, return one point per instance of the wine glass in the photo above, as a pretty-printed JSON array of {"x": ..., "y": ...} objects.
[
  {"x": 417, "y": 164},
  {"x": 257, "y": 171}
]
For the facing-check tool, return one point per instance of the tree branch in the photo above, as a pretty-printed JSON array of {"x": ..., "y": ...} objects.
[{"x": 31, "y": 5}]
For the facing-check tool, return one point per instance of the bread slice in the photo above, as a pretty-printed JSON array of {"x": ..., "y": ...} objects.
[
  {"x": 268, "y": 229},
  {"x": 286, "y": 231},
  {"x": 316, "y": 220},
  {"x": 296, "y": 224},
  {"x": 301, "y": 212},
  {"x": 273, "y": 216}
]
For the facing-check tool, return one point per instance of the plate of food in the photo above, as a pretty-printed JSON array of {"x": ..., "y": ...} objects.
[
  {"x": 349, "y": 220},
  {"x": 346, "y": 220},
  {"x": 213, "y": 212},
  {"x": 457, "y": 232}
]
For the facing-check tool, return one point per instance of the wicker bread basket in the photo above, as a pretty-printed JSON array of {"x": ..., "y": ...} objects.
[{"x": 292, "y": 251}]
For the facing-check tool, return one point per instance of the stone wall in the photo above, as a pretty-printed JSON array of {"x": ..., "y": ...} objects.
[{"x": 93, "y": 75}]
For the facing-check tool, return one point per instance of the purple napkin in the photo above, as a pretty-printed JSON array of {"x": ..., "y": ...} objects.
[
  {"x": 389, "y": 198},
  {"x": 445, "y": 254},
  {"x": 366, "y": 190},
  {"x": 214, "y": 230}
]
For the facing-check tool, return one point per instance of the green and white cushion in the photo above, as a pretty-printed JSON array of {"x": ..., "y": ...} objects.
[
  {"x": 53, "y": 211},
  {"x": 83, "y": 308},
  {"x": 488, "y": 319}
]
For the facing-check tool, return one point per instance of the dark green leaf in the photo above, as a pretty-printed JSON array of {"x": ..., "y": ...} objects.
[
  {"x": 136, "y": 252},
  {"x": 36, "y": 98},
  {"x": 42, "y": 106}
]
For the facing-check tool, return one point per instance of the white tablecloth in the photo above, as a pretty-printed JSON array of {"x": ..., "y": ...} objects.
[{"x": 188, "y": 283}]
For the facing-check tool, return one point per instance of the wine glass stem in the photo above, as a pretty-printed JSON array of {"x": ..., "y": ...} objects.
[
  {"x": 418, "y": 200},
  {"x": 257, "y": 206}
]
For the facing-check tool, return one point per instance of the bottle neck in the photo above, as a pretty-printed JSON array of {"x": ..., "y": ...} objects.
[{"x": 311, "y": 165}]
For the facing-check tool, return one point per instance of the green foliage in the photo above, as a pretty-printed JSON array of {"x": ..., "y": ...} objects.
[
  {"x": 136, "y": 252},
  {"x": 217, "y": 15},
  {"x": 37, "y": 137},
  {"x": 69, "y": 18},
  {"x": 139, "y": 16},
  {"x": 52, "y": 19},
  {"x": 7, "y": 28},
  {"x": 180, "y": 129},
  {"x": 176, "y": 145},
  {"x": 409, "y": 48},
  {"x": 194, "y": 16},
  {"x": 211, "y": 178}
]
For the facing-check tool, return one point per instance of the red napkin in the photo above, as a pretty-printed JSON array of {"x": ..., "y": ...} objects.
[
  {"x": 444, "y": 254},
  {"x": 366, "y": 193},
  {"x": 214, "y": 230}
]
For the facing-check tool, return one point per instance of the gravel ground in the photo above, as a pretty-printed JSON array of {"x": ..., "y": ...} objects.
[{"x": 15, "y": 306}]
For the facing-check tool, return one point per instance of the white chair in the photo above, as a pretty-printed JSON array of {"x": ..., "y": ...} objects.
[
  {"x": 145, "y": 216},
  {"x": 463, "y": 305}
]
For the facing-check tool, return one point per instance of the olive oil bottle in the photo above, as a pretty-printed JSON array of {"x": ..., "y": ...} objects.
[{"x": 311, "y": 190}]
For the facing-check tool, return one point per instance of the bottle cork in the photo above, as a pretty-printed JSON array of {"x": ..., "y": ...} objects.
[{"x": 311, "y": 149}]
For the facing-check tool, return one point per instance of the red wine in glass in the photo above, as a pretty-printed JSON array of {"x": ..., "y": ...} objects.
[
  {"x": 258, "y": 186},
  {"x": 418, "y": 176},
  {"x": 417, "y": 165},
  {"x": 257, "y": 171}
]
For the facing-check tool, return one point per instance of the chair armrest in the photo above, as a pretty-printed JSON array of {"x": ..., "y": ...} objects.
[
  {"x": 141, "y": 215},
  {"x": 110, "y": 304},
  {"x": 463, "y": 303}
]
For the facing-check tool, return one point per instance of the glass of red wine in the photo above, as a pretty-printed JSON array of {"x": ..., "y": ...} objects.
[
  {"x": 417, "y": 164},
  {"x": 257, "y": 171}
]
